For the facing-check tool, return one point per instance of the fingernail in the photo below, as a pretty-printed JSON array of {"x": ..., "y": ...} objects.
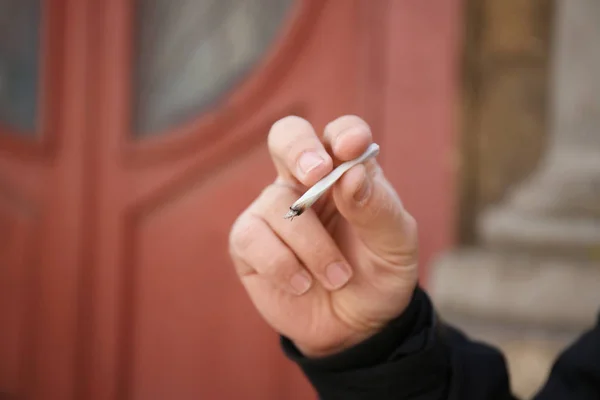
[
  {"x": 364, "y": 190},
  {"x": 309, "y": 161},
  {"x": 338, "y": 275},
  {"x": 300, "y": 282}
]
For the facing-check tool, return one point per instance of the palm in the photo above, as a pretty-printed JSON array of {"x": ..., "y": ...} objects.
[{"x": 323, "y": 319}]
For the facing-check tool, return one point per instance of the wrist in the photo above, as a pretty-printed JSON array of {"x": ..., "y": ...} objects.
[
  {"x": 372, "y": 350},
  {"x": 338, "y": 347},
  {"x": 357, "y": 335}
]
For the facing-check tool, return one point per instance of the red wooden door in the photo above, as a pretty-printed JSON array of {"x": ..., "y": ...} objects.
[{"x": 134, "y": 133}]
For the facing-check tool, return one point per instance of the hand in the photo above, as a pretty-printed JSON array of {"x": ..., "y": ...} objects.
[{"x": 342, "y": 270}]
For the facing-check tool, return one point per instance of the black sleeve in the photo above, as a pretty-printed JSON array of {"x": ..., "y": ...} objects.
[
  {"x": 415, "y": 357},
  {"x": 576, "y": 373}
]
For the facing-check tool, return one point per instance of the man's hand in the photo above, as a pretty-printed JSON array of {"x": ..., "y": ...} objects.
[{"x": 338, "y": 273}]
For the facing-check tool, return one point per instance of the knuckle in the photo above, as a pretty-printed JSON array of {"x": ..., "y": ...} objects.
[
  {"x": 411, "y": 228},
  {"x": 281, "y": 265},
  {"x": 321, "y": 257},
  {"x": 411, "y": 222},
  {"x": 353, "y": 119},
  {"x": 291, "y": 136},
  {"x": 243, "y": 234},
  {"x": 282, "y": 128},
  {"x": 346, "y": 122},
  {"x": 270, "y": 199}
]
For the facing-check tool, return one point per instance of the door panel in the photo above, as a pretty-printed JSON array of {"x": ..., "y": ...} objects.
[{"x": 198, "y": 302}]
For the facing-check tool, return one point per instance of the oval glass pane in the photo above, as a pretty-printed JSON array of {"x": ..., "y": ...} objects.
[
  {"x": 190, "y": 53},
  {"x": 19, "y": 48}
]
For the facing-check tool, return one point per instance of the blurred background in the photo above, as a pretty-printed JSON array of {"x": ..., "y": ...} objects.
[{"x": 132, "y": 134}]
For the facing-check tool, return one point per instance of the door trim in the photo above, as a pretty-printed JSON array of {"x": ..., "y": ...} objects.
[{"x": 203, "y": 130}]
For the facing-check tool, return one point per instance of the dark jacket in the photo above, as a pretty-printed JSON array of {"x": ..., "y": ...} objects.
[{"x": 417, "y": 357}]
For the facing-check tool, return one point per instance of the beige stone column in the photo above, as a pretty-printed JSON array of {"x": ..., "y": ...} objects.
[
  {"x": 537, "y": 268},
  {"x": 559, "y": 207}
]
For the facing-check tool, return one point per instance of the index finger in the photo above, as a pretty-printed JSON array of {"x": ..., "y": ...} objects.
[{"x": 297, "y": 152}]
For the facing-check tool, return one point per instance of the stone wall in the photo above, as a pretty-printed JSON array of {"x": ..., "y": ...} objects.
[{"x": 505, "y": 78}]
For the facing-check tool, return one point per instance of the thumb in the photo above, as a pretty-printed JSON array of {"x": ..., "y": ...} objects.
[{"x": 366, "y": 199}]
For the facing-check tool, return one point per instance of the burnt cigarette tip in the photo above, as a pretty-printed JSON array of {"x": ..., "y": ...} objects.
[{"x": 293, "y": 212}]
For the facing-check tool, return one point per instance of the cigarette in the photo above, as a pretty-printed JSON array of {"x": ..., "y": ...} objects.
[{"x": 315, "y": 192}]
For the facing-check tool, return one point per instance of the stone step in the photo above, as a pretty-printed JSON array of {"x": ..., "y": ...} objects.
[
  {"x": 505, "y": 229},
  {"x": 518, "y": 288}
]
